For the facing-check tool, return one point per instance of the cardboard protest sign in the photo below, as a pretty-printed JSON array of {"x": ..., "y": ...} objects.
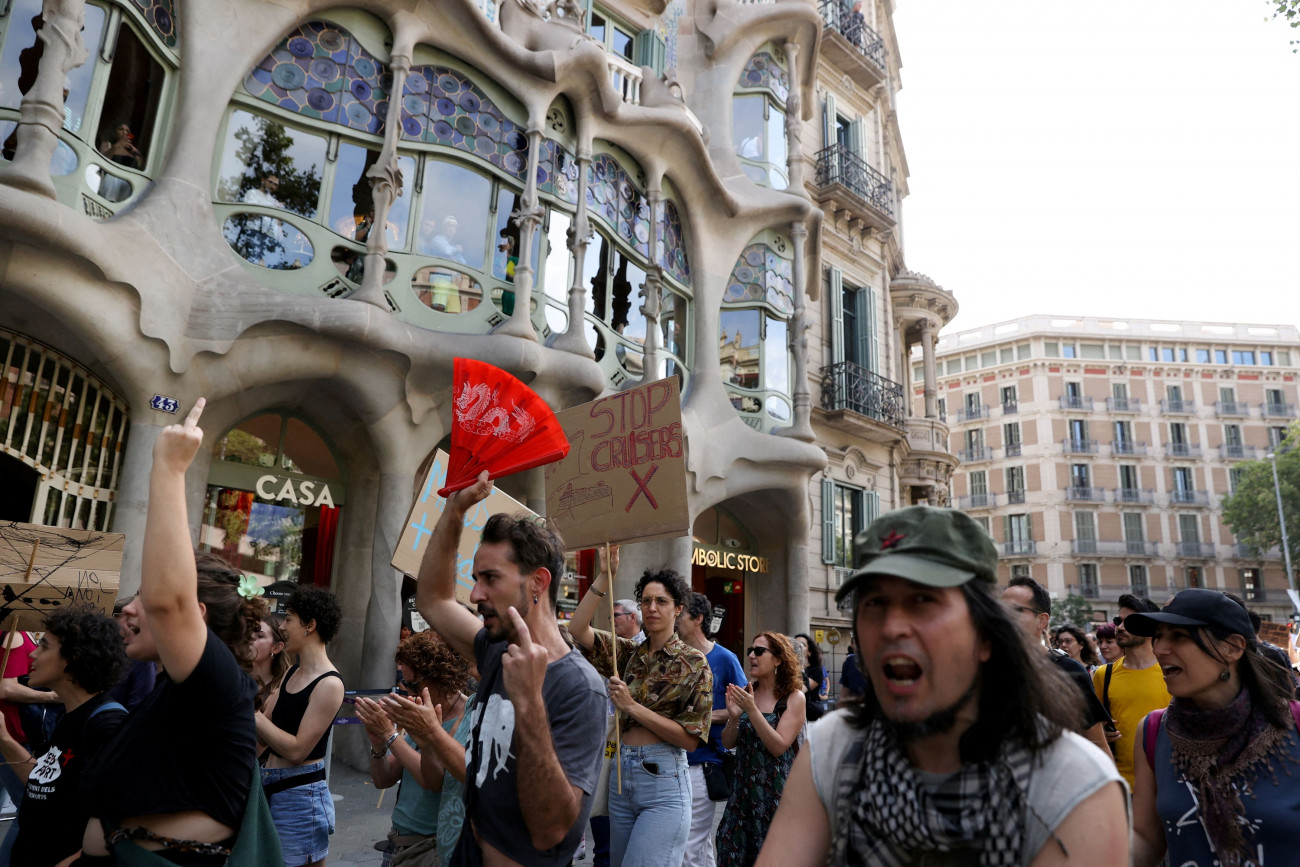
[
  {"x": 625, "y": 476},
  {"x": 1275, "y": 633},
  {"x": 424, "y": 515},
  {"x": 45, "y": 569}
]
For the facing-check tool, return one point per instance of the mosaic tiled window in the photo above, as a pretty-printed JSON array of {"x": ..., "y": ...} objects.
[
  {"x": 616, "y": 201},
  {"x": 557, "y": 172},
  {"x": 765, "y": 71},
  {"x": 161, "y": 15},
  {"x": 441, "y": 106},
  {"x": 672, "y": 252},
  {"x": 321, "y": 71},
  {"x": 762, "y": 275}
]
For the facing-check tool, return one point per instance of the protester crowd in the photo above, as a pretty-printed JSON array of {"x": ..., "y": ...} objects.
[{"x": 192, "y": 728}]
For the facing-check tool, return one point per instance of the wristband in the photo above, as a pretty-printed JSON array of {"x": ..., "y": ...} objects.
[
  {"x": 383, "y": 751},
  {"x": 601, "y": 593}
]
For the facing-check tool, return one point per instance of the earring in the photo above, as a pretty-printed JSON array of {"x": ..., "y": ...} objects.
[
  {"x": 1225, "y": 675},
  {"x": 535, "y": 600}
]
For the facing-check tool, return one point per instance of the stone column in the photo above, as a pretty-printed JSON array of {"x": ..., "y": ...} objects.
[
  {"x": 796, "y": 581},
  {"x": 574, "y": 339},
  {"x": 927, "y": 359},
  {"x": 652, "y": 291},
  {"x": 529, "y": 219},
  {"x": 798, "y": 340},
  {"x": 41, "y": 112},
  {"x": 385, "y": 185},
  {"x": 384, "y": 611},
  {"x": 131, "y": 501},
  {"x": 794, "y": 122}
]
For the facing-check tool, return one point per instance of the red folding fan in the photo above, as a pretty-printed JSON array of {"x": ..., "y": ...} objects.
[{"x": 499, "y": 425}]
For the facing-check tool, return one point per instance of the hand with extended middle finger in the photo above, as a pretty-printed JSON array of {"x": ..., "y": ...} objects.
[
  {"x": 418, "y": 717},
  {"x": 377, "y": 723},
  {"x": 620, "y": 695},
  {"x": 177, "y": 444},
  {"x": 523, "y": 668},
  {"x": 743, "y": 697}
]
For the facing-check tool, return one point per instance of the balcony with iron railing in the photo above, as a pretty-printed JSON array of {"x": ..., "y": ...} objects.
[
  {"x": 1238, "y": 452},
  {"x": 1092, "y": 547},
  {"x": 970, "y": 413},
  {"x": 1182, "y": 450},
  {"x": 1010, "y": 407},
  {"x": 1076, "y": 402},
  {"x": 1277, "y": 410},
  {"x": 1020, "y": 548},
  {"x": 1178, "y": 407},
  {"x": 1124, "y": 404},
  {"x": 855, "y": 47},
  {"x": 846, "y": 181},
  {"x": 1082, "y": 494},
  {"x": 1127, "y": 447},
  {"x": 1179, "y": 497},
  {"x": 1194, "y": 550},
  {"x": 1242, "y": 551},
  {"x": 1015, "y": 496},
  {"x": 1012, "y": 450},
  {"x": 1231, "y": 408},
  {"x": 1073, "y": 446},
  {"x": 975, "y": 454},
  {"x": 1109, "y": 592},
  {"x": 848, "y": 387},
  {"x": 1135, "y": 496},
  {"x": 978, "y": 501}
]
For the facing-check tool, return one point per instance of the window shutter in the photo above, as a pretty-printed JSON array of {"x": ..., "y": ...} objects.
[
  {"x": 858, "y": 139},
  {"x": 871, "y": 508},
  {"x": 835, "y": 289},
  {"x": 828, "y": 121},
  {"x": 864, "y": 301},
  {"x": 828, "y": 521},
  {"x": 648, "y": 49}
]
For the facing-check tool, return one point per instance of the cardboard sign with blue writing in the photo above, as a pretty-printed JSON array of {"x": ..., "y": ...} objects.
[
  {"x": 624, "y": 479},
  {"x": 47, "y": 569},
  {"x": 425, "y": 512}
]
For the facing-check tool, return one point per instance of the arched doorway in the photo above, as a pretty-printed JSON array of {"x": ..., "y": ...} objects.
[
  {"x": 274, "y": 500},
  {"x": 724, "y": 558}
]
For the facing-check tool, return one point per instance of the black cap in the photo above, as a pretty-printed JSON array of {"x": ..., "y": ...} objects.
[
  {"x": 935, "y": 547},
  {"x": 1194, "y": 607}
]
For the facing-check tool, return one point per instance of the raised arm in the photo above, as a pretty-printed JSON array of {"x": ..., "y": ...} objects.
[
  {"x": 169, "y": 580},
  {"x": 550, "y": 803},
  {"x": 775, "y": 740},
  {"x": 594, "y": 601},
  {"x": 435, "y": 586},
  {"x": 324, "y": 704}
]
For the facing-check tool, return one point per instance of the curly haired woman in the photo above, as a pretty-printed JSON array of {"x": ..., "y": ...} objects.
[{"x": 764, "y": 721}]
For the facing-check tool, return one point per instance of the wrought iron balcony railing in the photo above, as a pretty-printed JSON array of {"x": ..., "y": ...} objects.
[
  {"x": 1135, "y": 496},
  {"x": 1231, "y": 407},
  {"x": 838, "y": 164},
  {"x": 1081, "y": 494},
  {"x": 1016, "y": 496},
  {"x": 1127, "y": 447},
  {"x": 1012, "y": 450},
  {"x": 1189, "y": 498},
  {"x": 840, "y": 17},
  {"x": 1079, "y": 447},
  {"x": 977, "y": 453},
  {"x": 1010, "y": 406},
  {"x": 1124, "y": 404},
  {"x": 1195, "y": 550},
  {"x": 969, "y": 413},
  {"x": 1178, "y": 407},
  {"x": 1182, "y": 450},
  {"x": 1076, "y": 401},
  {"x": 978, "y": 501},
  {"x": 1277, "y": 410},
  {"x": 1242, "y": 551},
  {"x": 1113, "y": 549},
  {"x": 846, "y": 386},
  {"x": 1021, "y": 548},
  {"x": 1237, "y": 451},
  {"x": 1109, "y": 592}
]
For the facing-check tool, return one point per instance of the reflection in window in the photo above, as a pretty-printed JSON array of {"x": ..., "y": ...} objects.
[
  {"x": 776, "y": 364},
  {"x": 268, "y": 242},
  {"x": 738, "y": 347},
  {"x": 21, "y": 58},
  {"x": 445, "y": 290},
  {"x": 254, "y": 442},
  {"x": 131, "y": 100},
  {"x": 672, "y": 320},
  {"x": 556, "y": 275},
  {"x": 305, "y": 452},
  {"x": 107, "y": 185},
  {"x": 352, "y": 205},
  {"x": 351, "y": 263},
  {"x": 266, "y": 163},
  {"x": 455, "y": 218},
  {"x": 505, "y": 256},
  {"x": 758, "y": 133}
]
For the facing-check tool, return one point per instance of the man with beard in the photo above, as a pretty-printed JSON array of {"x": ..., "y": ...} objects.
[
  {"x": 538, "y": 725},
  {"x": 1137, "y": 685},
  {"x": 960, "y": 752}
]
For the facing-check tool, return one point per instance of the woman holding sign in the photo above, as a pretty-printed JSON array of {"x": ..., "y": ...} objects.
[{"x": 665, "y": 702}]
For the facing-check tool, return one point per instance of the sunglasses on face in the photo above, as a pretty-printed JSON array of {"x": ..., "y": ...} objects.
[
  {"x": 1118, "y": 621},
  {"x": 757, "y": 651},
  {"x": 411, "y": 686}
]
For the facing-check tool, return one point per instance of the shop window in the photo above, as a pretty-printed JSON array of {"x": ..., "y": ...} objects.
[
  {"x": 268, "y": 164},
  {"x": 352, "y": 204},
  {"x": 456, "y": 216}
]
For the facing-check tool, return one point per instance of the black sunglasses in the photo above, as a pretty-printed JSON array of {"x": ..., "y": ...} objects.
[
  {"x": 411, "y": 686},
  {"x": 1117, "y": 620},
  {"x": 757, "y": 651}
]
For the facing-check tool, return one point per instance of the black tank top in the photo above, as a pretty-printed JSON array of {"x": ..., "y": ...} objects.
[{"x": 290, "y": 707}]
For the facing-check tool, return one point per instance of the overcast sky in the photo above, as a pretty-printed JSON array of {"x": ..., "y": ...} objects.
[{"x": 1135, "y": 158}]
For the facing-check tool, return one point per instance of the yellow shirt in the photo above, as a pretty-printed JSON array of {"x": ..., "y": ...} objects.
[{"x": 1133, "y": 695}]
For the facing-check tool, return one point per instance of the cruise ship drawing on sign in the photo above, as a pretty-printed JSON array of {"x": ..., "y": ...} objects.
[{"x": 568, "y": 498}]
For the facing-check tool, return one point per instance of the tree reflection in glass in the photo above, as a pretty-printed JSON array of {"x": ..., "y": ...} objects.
[{"x": 268, "y": 164}]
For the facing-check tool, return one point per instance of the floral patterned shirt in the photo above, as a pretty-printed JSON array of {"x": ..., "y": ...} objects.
[{"x": 674, "y": 681}]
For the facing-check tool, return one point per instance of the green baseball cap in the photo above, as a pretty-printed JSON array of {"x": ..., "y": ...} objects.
[{"x": 935, "y": 547}]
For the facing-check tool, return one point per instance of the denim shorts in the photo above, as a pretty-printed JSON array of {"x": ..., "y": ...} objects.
[{"x": 304, "y": 815}]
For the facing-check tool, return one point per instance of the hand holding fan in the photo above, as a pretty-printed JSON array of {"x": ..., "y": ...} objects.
[{"x": 499, "y": 425}]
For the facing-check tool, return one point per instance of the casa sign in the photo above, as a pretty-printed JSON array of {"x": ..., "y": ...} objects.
[
  {"x": 278, "y": 489},
  {"x": 723, "y": 559}
]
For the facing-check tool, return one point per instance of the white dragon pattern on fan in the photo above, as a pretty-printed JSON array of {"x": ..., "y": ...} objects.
[{"x": 478, "y": 413}]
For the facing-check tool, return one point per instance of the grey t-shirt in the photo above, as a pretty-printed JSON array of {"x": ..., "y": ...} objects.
[
  {"x": 1071, "y": 770},
  {"x": 574, "y": 695}
]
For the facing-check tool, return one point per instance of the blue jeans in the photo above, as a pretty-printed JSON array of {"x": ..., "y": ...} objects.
[
  {"x": 304, "y": 815},
  {"x": 650, "y": 820},
  {"x": 600, "y": 840}
]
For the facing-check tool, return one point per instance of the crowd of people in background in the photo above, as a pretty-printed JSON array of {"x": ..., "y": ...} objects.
[{"x": 192, "y": 727}]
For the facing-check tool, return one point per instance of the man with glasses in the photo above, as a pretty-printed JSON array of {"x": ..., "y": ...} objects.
[
  {"x": 627, "y": 620},
  {"x": 1032, "y": 605},
  {"x": 1136, "y": 684}
]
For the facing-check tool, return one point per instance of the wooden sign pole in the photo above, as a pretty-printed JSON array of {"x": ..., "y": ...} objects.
[{"x": 613, "y": 640}]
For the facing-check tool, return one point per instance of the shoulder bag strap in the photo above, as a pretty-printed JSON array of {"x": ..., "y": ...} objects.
[
  {"x": 1150, "y": 729},
  {"x": 1105, "y": 686}
]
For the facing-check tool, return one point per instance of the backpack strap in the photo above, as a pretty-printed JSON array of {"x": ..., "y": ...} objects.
[
  {"x": 1150, "y": 729},
  {"x": 1105, "y": 686},
  {"x": 108, "y": 705}
]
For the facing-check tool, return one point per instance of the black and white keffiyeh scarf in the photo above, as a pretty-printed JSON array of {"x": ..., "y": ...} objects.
[{"x": 887, "y": 816}]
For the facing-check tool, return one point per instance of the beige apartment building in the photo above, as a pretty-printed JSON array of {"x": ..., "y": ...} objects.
[{"x": 1097, "y": 451}]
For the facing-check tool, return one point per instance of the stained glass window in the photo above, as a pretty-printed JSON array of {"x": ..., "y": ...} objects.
[
  {"x": 764, "y": 71},
  {"x": 161, "y": 15},
  {"x": 762, "y": 275}
]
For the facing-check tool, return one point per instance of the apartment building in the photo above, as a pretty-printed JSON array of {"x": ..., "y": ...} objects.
[{"x": 1097, "y": 451}]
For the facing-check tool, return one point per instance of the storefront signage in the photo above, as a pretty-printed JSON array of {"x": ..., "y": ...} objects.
[
  {"x": 734, "y": 560},
  {"x": 280, "y": 489},
  {"x": 625, "y": 476}
]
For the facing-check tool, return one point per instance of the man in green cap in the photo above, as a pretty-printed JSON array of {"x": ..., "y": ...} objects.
[{"x": 960, "y": 752}]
